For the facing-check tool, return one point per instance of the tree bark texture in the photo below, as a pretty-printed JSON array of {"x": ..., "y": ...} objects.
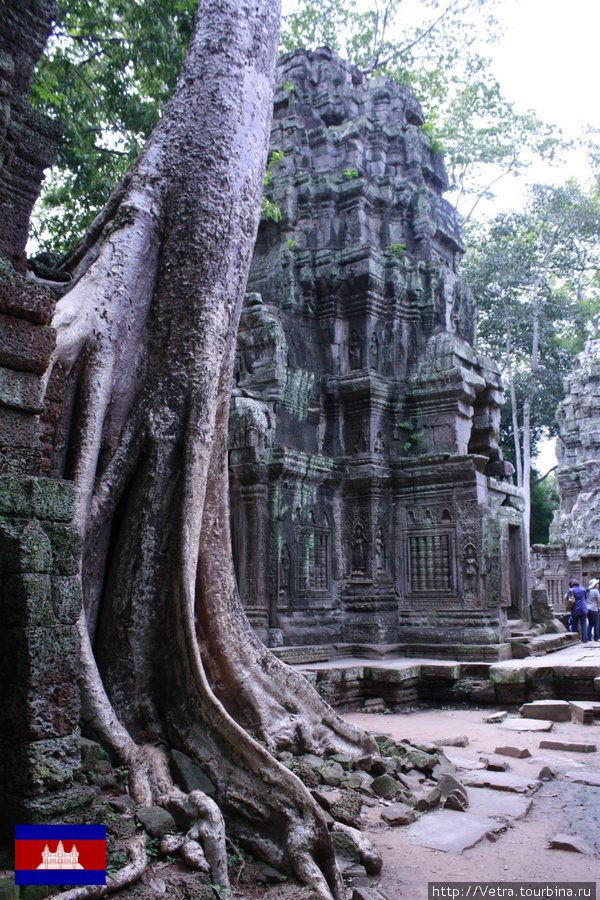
[{"x": 148, "y": 331}]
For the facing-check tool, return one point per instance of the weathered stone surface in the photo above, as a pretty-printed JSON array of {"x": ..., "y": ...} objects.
[
  {"x": 188, "y": 775},
  {"x": 448, "y": 784},
  {"x": 515, "y": 752},
  {"x": 24, "y": 346},
  {"x": 571, "y": 842},
  {"x": 550, "y": 710},
  {"x": 448, "y": 830},
  {"x": 584, "y": 776},
  {"x": 122, "y": 804},
  {"x": 526, "y": 725},
  {"x": 495, "y": 764},
  {"x": 461, "y": 741},
  {"x": 385, "y": 786},
  {"x": 502, "y": 781},
  {"x": 90, "y": 754},
  {"x": 585, "y": 710},
  {"x": 156, "y": 820},
  {"x": 495, "y": 718},
  {"x": 398, "y": 814},
  {"x": 356, "y": 376},
  {"x": 347, "y": 808},
  {"x": 428, "y": 800},
  {"x": 569, "y": 746},
  {"x": 498, "y": 804}
]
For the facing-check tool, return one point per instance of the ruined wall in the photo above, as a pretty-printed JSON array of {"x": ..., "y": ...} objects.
[
  {"x": 40, "y": 596},
  {"x": 28, "y": 140},
  {"x": 370, "y": 501},
  {"x": 574, "y": 549}
]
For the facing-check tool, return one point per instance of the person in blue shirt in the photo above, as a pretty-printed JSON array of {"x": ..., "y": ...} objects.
[{"x": 580, "y": 610}]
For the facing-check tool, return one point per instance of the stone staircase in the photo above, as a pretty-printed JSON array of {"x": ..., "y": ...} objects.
[{"x": 532, "y": 641}]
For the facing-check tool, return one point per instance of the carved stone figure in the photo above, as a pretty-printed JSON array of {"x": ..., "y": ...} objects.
[
  {"x": 359, "y": 551},
  {"x": 380, "y": 550},
  {"x": 374, "y": 352},
  {"x": 355, "y": 350}
]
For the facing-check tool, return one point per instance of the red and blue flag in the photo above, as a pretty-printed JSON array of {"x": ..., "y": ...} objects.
[{"x": 60, "y": 854}]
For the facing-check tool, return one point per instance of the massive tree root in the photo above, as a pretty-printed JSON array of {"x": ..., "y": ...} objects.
[{"x": 148, "y": 334}]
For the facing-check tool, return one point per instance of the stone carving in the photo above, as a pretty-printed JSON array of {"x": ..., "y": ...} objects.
[
  {"x": 342, "y": 343},
  {"x": 355, "y": 350},
  {"x": 359, "y": 551}
]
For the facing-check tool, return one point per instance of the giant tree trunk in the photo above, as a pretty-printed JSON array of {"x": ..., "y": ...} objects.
[{"x": 150, "y": 327}]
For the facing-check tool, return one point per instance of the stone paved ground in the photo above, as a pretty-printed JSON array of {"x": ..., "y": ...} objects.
[{"x": 520, "y": 852}]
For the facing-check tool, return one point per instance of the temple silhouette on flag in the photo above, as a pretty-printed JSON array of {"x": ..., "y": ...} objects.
[{"x": 61, "y": 859}]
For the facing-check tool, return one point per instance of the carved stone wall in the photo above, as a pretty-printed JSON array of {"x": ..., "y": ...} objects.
[
  {"x": 370, "y": 501},
  {"x": 574, "y": 549},
  {"x": 28, "y": 139}
]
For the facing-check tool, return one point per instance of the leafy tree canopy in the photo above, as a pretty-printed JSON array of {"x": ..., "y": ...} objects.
[{"x": 112, "y": 64}]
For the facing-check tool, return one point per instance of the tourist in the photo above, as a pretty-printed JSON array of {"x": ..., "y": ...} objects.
[
  {"x": 579, "y": 611},
  {"x": 593, "y": 595}
]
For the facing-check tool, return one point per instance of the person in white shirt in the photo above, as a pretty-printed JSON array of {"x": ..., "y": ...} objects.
[{"x": 592, "y": 598}]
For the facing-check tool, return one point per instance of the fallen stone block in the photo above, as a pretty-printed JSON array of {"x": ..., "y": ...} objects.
[
  {"x": 527, "y": 725},
  {"x": 585, "y": 710},
  {"x": 571, "y": 842},
  {"x": 122, "y": 804},
  {"x": 427, "y": 801},
  {"x": 448, "y": 784},
  {"x": 347, "y": 808},
  {"x": 498, "y": 804},
  {"x": 351, "y": 843},
  {"x": 495, "y": 763},
  {"x": 398, "y": 814},
  {"x": 376, "y": 705},
  {"x": 495, "y": 718},
  {"x": 156, "y": 820},
  {"x": 546, "y": 774},
  {"x": 188, "y": 775},
  {"x": 448, "y": 830},
  {"x": 461, "y": 741},
  {"x": 569, "y": 746},
  {"x": 584, "y": 776},
  {"x": 515, "y": 752},
  {"x": 385, "y": 786},
  {"x": 550, "y": 710},
  {"x": 502, "y": 781},
  {"x": 90, "y": 754}
]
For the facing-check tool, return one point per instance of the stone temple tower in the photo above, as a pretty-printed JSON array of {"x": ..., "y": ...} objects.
[{"x": 370, "y": 501}]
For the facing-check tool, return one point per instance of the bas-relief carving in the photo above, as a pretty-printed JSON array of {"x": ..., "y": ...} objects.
[{"x": 355, "y": 350}]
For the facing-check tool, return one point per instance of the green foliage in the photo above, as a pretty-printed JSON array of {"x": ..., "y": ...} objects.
[
  {"x": 397, "y": 250},
  {"x": 350, "y": 174},
  {"x": 107, "y": 73},
  {"x": 544, "y": 502},
  {"x": 506, "y": 257},
  {"x": 152, "y": 849},
  {"x": 268, "y": 209}
]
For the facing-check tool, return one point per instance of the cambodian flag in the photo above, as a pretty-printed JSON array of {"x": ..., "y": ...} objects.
[{"x": 60, "y": 854}]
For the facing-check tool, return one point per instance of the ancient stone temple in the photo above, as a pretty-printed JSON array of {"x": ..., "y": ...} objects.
[
  {"x": 574, "y": 548},
  {"x": 370, "y": 501}
]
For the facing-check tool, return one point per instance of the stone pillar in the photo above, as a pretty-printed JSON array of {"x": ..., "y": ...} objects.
[{"x": 40, "y": 601}]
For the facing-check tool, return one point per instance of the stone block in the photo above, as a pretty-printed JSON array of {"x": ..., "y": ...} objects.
[
  {"x": 428, "y": 800},
  {"x": 66, "y": 599},
  {"x": 527, "y": 725},
  {"x": 15, "y": 462},
  {"x": 43, "y": 765},
  {"x": 551, "y": 710},
  {"x": 24, "y": 346},
  {"x": 572, "y": 842},
  {"x": 398, "y": 814},
  {"x": 21, "y": 390},
  {"x": 460, "y": 741},
  {"x": 585, "y": 710},
  {"x": 37, "y": 498},
  {"x": 26, "y": 600},
  {"x": 515, "y": 752},
  {"x": 449, "y": 830},
  {"x": 188, "y": 775},
  {"x": 90, "y": 754},
  {"x": 495, "y": 718},
  {"x": 66, "y": 543},
  {"x": 347, "y": 808},
  {"x": 24, "y": 547},
  {"x": 569, "y": 746},
  {"x": 26, "y": 300},
  {"x": 385, "y": 786},
  {"x": 70, "y": 805},
  {"x": 156, "y": 820},
  {"x": 502, "y": 781}
]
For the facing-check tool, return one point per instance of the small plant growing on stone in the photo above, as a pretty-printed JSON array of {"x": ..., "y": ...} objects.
[
  {"x": 350, "y": 174},
  {"x": 291, "y": 244},
  {"x": 268, "y": 209},
  {"x": 290, "y": 87},
  {"x": 397, "y": 250},
  {"x": 413, "y": 436}
]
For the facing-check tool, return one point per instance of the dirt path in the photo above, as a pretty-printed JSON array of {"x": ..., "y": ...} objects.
[{"x": 521, "y": 853}]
